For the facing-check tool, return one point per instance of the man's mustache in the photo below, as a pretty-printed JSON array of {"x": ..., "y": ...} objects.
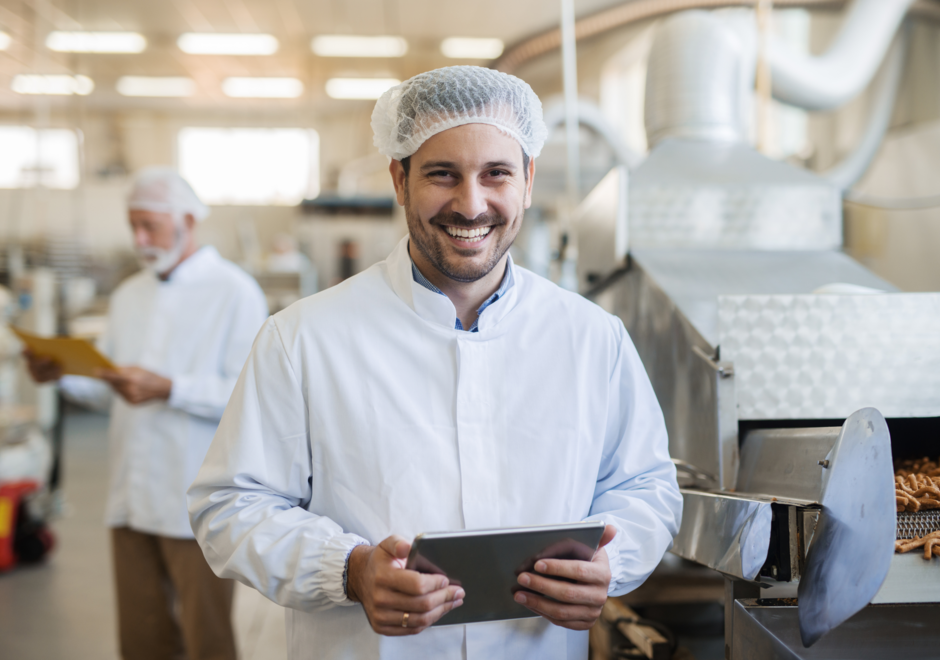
[{"x": 457, "y": 220}]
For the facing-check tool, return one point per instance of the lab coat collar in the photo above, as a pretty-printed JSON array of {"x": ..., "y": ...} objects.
[
  {"x": 194, "y": 266},
  {"x": 437, "y": 309}
]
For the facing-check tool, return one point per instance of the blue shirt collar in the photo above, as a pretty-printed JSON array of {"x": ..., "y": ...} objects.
[{"x": 504, "y": 286}]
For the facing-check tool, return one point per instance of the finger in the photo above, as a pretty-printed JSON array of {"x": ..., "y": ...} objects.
[
  {"x": 588, "y": 572},
  {"x": 412, "y": 583},
  {"x": 394, "y": 601},
  {"x": 565, "y": 592},
  {"x": 417, "y": 621},
  {"x": 557, "y": 611},
  {"x": 396, "y": 547}
]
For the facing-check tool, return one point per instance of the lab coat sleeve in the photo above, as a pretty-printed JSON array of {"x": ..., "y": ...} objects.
[
  {"x": 205, "y": 394},
  {"x": 87, "y": 392},
  {"x": 636, "y": 488},
  {"x": 247, "y": 504}
]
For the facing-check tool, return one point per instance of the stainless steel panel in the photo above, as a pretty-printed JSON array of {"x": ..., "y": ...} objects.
[
  {"x": 693, "y": 279},
  {"x": 785, "y": 462},
  {"x": 854, "y": 539},
  {"x": 874, "y": 633},
  {"x": 694, "y": 194},
  {"x": 695, "y": 392},
  {"x": 824, "y": 356},
  {"x": 727, "y": 533},
  {"x": 911, "y": 579}
]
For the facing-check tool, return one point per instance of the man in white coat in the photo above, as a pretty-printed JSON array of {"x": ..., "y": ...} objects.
[
  {"x": 181, "y": 330},
  {"x": 443, "y": 389}
]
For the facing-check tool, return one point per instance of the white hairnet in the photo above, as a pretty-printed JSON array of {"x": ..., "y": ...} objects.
[
  {"x": 408, "y": 114},
  {"x": 163, "y": 190}
]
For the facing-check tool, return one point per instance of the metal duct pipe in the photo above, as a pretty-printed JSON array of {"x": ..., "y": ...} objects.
[
  {"x": 693, "y": 82},
  {"x": 591, "y": 116},
  {"x": 844, "y": 175},
  {"x": 830, "y": 80}
]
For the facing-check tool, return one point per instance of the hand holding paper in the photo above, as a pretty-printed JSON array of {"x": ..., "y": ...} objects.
[{"x": 136, "y": 385}]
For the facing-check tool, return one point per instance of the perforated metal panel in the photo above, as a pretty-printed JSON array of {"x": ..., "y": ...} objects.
[{"x": 826, "y": 356}]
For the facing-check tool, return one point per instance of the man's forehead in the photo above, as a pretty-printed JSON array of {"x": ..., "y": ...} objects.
[
  {"x": 470, "y": 144},
  {"x": 143, "y": 215}
]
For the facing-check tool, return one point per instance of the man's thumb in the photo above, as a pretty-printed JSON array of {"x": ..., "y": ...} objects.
[{"x": 396, "y": 546}]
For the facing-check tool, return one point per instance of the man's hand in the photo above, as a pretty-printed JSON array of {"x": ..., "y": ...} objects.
[
  {"x": 377, "y": 578},
  {"x": 42, "y": 369},
  {"x": 136, "y": 385},
  {"x": 578, "y": 604}
]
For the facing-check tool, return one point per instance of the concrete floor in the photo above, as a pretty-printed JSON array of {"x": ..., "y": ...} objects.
[{"x": 64, "y": 608}]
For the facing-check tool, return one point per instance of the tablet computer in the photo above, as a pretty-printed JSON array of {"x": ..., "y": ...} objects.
[{"x": 487, "y": 563}]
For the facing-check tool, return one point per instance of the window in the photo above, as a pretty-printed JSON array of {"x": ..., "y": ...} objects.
[
  {"x": 30, "y": 157},
  {"x": 251, "y": 166}
]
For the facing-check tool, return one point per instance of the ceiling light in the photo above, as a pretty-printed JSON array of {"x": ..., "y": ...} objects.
[
  {"x": 262, "y": 88},
  {"x": 59, "y": 85},
  {"x": 96, "y": 42},
  {"x": 4, "y": 41},
  {"x": 155, "y": 86},
  {"x": 205, "y": 43},
  {"x": 335, "y": 45},
  {"x": 472, "y": 49},
  {"x": 359, "y": 88}
]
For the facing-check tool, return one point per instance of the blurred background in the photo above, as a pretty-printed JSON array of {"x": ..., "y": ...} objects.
[{"x": 264, "y": 106}]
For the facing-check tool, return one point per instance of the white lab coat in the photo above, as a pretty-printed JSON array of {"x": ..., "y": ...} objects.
[
  {"x": 362, "y": 412},
  {"x": 196, "y": 329}
]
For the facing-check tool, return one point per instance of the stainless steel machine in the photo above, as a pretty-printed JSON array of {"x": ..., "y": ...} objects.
[{"x": 790, "y": 376}]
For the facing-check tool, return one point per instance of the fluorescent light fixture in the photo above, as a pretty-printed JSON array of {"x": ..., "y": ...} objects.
[
  {"x": 337, "y": 45},
  {"x": 210, "y": 43},
  {"x": 4, "y": 41},
  {"x": 359, "y": 88},
  {"x": 27, "y": 83},
  {"x": 155, "y": 86},
  {"x": 466, "y": 48},
  {"x": 262, "y": 88},
  {"x": 96, "y": 42}
]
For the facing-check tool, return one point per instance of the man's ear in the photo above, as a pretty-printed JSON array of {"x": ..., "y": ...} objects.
[
  {"x": 399, "y": 180},
  {"x": 189, "y": 221},
  {"x": 528, "y": 186}
]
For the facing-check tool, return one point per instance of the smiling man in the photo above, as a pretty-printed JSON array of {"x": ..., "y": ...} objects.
[{"x": 443, "y": 389}]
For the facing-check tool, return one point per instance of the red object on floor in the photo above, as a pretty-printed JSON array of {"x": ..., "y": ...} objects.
[{"x": 10, "y": 496}]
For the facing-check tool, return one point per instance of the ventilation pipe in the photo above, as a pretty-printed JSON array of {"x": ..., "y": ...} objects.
[{"x": 830, "y": 80}]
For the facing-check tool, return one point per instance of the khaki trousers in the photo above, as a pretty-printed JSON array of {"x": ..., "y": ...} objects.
[{"x": 170, "y": 603}]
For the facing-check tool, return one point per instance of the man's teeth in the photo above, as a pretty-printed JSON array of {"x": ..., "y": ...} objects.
[{"x": 468, "y": 235}]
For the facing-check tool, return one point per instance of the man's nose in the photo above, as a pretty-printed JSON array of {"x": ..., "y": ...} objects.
[
  {"x": 470, "y": 200},
  {"x": 141, "y": 238}
]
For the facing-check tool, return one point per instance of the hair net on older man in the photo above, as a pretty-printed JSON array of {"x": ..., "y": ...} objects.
[
  {"x": 408, "y": 114},
  {"x": 163, "y": 190}
]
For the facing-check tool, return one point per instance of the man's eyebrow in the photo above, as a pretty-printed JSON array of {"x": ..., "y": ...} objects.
[
  {"x": 447, "y": 164},
  {"x": 433, "y": 165}
]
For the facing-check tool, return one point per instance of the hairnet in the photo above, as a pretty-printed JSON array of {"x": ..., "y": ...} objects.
[
  {"x": 163, "y": 190},
  {"x": 408, "y": 114}
]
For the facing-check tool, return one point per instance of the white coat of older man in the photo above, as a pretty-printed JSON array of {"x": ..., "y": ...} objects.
[{"x": 180, "y": 329}]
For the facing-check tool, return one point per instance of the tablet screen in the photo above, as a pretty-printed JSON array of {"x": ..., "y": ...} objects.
[{"x": 487, "y": 563}]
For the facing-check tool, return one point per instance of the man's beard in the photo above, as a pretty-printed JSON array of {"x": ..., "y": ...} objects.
[
  {"x": 432, "y": 245},
  {"x": 162, "y": 260}
]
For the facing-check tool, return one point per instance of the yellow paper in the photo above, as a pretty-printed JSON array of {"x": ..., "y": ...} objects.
[{"x": 76, "y": 356}]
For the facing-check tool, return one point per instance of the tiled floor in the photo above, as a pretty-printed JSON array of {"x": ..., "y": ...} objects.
[{"x": 64, "y": 608}]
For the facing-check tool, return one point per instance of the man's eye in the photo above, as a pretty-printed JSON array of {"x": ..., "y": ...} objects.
[
  {"x": 499, "y": 173},
  {"x": 440, "y": 173}
]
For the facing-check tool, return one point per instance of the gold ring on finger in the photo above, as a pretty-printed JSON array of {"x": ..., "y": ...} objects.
[{"x": 404, "y": 619}]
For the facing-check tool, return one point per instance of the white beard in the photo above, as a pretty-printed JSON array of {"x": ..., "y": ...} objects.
[{"x": 161, "y": 260}]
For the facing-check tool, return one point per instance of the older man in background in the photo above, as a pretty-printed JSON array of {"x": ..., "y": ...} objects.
[{"x": 181, "y": 330}]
